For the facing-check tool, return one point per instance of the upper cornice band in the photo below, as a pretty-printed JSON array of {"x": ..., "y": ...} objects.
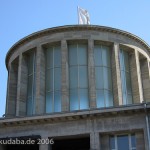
[{"x": 72, "y": 28}]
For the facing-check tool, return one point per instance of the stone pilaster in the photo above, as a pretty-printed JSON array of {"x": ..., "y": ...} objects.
[
  {"x": 44, "y": 147},
  {"x": 105, "y": 142},
  {"x": 145, "y": 74},
  {"x": 139, "y": 141},
  {"x": 116, "y": 75},
  {"x": 40, "y": 81},
  {"x": 65, "y": 78},
  {"x": 94, "y": 141},
  {"x": 12, "y": 89},
  {"x": 149, "y": 67},
  {"x": 91, "y": 74},
  {"x": 139, "y": 76},
  {"x": 135, "y": 78},
  {"x": 22, "y": 86}
]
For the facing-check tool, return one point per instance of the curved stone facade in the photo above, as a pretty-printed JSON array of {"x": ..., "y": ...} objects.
[
  {"x": 79, "y": 81},
  {"x": 115, "y": 40}
]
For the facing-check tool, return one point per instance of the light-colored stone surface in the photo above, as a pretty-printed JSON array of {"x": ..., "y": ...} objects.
[
  {"x": 40, "y": 81},
  {"x": 22, "y": 86},
  {"x": 139, "y": 76},
  {"x": 117, "y": 79},
  {"x": 134, "y": 77},
  {"x": 91, "y": 74},
  {"x": 98, "y": 124},
  {"x": 65, "y": 76},
  {"x": 145, "y": 79}
]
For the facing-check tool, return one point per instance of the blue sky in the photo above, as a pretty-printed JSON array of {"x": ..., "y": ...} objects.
[{"x": 20, "y": 18}]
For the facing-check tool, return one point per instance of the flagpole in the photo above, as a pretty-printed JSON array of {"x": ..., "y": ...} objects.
[{"x": 78, "y": 13}]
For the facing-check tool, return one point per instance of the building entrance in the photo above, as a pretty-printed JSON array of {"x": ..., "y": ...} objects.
[
  {"x": 72, "y": 144},
  {"x": 22, "y": 147}
]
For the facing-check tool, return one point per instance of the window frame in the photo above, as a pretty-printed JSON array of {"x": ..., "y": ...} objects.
[
  {"x": 48, "y": 68},
  {"x": 123, "y": 72},
  {"x": 103, "y": 68},
  {"x": 30, "y": 111},
  {"x": 78, "y": 65},
  {"x": 129, "y": 135}
]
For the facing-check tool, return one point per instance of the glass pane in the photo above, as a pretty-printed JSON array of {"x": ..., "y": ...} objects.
[
  {"x": 57, "y": 101},
  {"x": 49, "y": 102},
  {"x": 83, "y": 96},
  {"x": 121, "y": 60},
  {"x": 57, "y": 83},
  {"x": 128, "y": 83},
  {"x": 30, "y": 86},
  {"x": 49, "y": 58},
  {"x": 82, "y": 54},
  {"x": 83, "y": 81},
  {"x": 126, "y": 61},
  {"x": 73, "y": 77},
  {"x": 97, "y": 55},
  {"x": 125, "y": 77},
  {"x": 108, "y": 98},
  {"x": 99, "y": 78},
  {"x": 129, "y": 99},
  {"x": 107, "y": 78},
  {"x": 123, "y": 142},
  {"x": 106, "y": 56},
  {"x": 133, "y": 141},
  {"x": 51, "y": 77},
  {"x": 57, "y": 56},
  {"x": 29, "y": 106},
  {"x": 74, "y": 104},
  {"x": 48, "y": 80},
  {"x": 123, "y": 80},
  {"x": 30, "y": 63},
  {"x": 72, "y": 54},
  {"x": 112, "y": 142},
  {"x": 100, "y": 98},
  {"x": 124, "y": 99}
]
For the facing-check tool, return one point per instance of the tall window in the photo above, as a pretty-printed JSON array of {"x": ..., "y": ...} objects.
[
  {"x": 125, "y": 77},
  {"x": 53, "y": 79},
  {"x": 123, "y": 142},
  {"x": 78, "y": 77},
  {"x": 31, "y": 84},
  {"x": 104, "y": 94}
]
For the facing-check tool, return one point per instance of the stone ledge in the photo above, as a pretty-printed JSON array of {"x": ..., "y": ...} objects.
[{"x": 75, "y": 115}]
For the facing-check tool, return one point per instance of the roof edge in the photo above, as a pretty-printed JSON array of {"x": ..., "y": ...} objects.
[{"x": 70, "y": 28}]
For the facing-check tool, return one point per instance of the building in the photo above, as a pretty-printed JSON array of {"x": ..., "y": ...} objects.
[{"x": 83, "y": 86}]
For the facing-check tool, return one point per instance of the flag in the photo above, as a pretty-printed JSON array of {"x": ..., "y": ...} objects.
[{"x": 83, "y": 16}]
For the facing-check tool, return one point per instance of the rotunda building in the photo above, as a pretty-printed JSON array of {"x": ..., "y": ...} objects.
[{"x": 84, "y": 86}]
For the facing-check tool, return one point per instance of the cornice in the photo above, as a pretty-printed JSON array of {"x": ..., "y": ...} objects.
[
  {"x": 60, "y": 29},
  {"x": 75, "y": 115}
]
